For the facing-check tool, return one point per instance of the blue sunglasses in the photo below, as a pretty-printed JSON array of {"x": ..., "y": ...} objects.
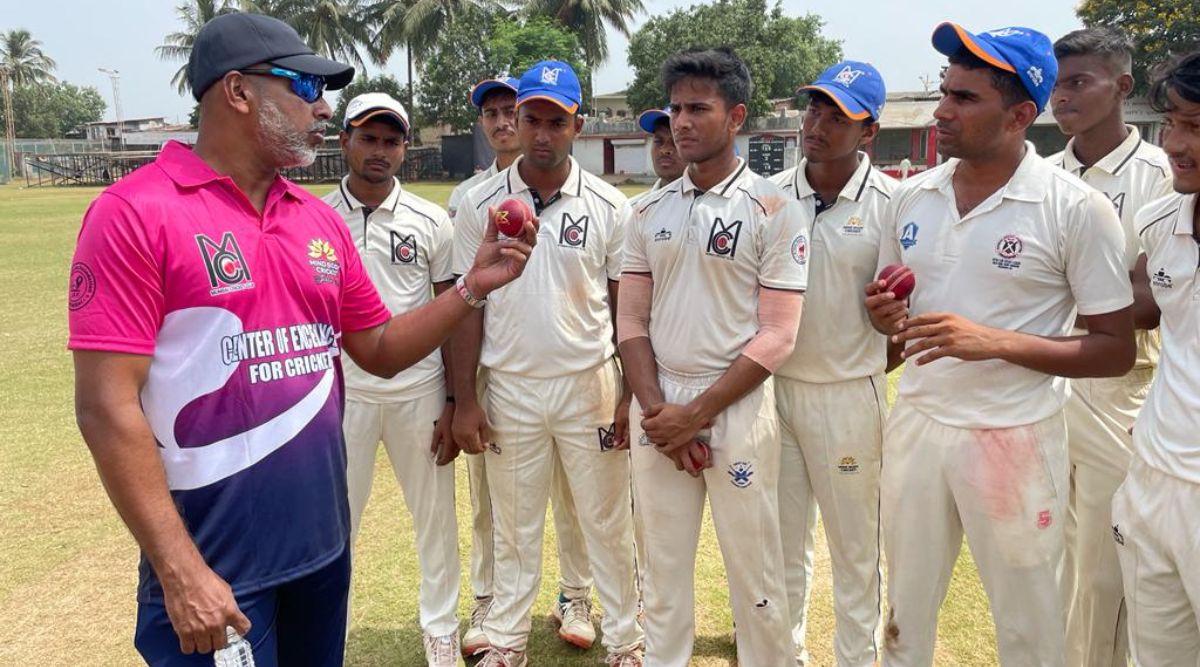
[{"x": 308, "y": 87}]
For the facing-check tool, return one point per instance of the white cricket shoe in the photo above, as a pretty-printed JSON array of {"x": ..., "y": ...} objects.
[
  {"x": 474, "y": 641},
  {"x": 442, "y": 651},
  {"x": 500, "y": 657},
  {"x": 575, "y": 621},
  {"x": 630, "y": 656}
]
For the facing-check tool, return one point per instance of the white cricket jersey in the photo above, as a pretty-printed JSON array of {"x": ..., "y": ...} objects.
[
  {"x": 642, "y": 195},
  {"x": 405, "y": 246},
  {"x": 1023, "y": 260},
  {"x": 461, "y": 190},
  {"x": 1135, "y": 173},
  {"x": 555, "y": 319},
  {"x": 836, "y": 341},
  {"x": 708, "y": 254},
  {"x": 1165, "y": 434}
]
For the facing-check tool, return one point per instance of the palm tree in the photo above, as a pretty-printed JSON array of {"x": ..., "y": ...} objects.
[
  {"x": 23, "y": 60},
  {"x": 587, "y": 19},
  {"x": 334, "y": 28},
  {"x": 178, "y": 45}
]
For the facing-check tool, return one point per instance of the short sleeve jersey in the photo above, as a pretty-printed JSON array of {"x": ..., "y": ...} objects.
[
  {"x": 1165, "y": 433},
  {"x": 708, "y": 254},
  {"x": 836, "y": 341},
  {"x": 460, "y": 191},
  {"x": 1135, "y": 173},
  {"x": 555, "y": 319},
  {"x": 1024, "y": 259},
  {"x": 242, "y": 316},
  {"x": 405, "y": 245}
]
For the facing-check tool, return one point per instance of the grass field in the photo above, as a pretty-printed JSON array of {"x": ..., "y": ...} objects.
[{"x": 67, "y": 565}]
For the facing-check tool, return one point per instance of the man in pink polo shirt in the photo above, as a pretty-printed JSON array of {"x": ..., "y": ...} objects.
[{"x": 210, "y": 301}]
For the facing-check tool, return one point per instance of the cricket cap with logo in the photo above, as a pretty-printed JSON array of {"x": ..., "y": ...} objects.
[
  {"x": 855, "y": 87},
  {"x": 481, "y": 89},
  {"x": 238, "y": 40},
  {"x": 1022, "y": 51},
  {"x": 649, "y": 119},
  {"x": 553, "y": 81},
  {"x": 375, "y": 106}
]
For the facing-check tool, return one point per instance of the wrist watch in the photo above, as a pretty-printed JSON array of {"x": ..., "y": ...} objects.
[{"x": 460, "y": 286}]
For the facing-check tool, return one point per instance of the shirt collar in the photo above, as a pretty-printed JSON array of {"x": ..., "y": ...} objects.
[
  {"x": 573, "y": 186},
  {"x": 1110, "y": 164},
  {"x": 1028, "y": 182},
  {"x": 853, "y": 190},
  {"x": 180, "y": 163},
  {"x": 354, "y": 204},
  {"x": 725, "y": 188},
  {"x": 1185, "y": 221}
]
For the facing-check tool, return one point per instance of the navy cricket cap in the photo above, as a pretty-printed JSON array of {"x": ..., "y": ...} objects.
[
  {"x": 855, "y": 87},
  {"x": 486, "y": 86},
  {"x": 553, "y": 81},
  {"x": 1023, "y": 51},
  {"x": 238, "y": 40},
  {"x": 649, "y": 119}
]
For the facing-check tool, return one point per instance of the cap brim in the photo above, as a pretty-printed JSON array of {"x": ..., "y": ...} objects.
[
  {"x": 853, "y": 109},
  {"x": 949, "y": 38},
  {"x": 337, "y": 75},
  {"x": 371, "y": 114},
  {"x": 570, "y": 106},
  {"x": 482, "y": 88},
  {"x": 649, "y": 119}
]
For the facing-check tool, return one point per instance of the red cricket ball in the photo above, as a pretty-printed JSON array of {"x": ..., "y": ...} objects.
[
  {"x": 700, "y": 454},
  {"x": 900, "y": 280},
  {"x": 511, "y": 215}
]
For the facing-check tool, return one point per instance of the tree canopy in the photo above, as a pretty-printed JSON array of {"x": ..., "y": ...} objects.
[
  {"x": 1159, "y": 29},
  {"x": 51, "y": 110}
]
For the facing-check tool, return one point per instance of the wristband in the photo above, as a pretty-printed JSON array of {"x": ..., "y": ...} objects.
[{"x": 460, "y": 286}]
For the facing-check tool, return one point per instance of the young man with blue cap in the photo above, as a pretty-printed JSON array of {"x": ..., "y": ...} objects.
[
  {"x": 1006, "y": 249},
  {"x": 553, "y": 394},
  {"x": 496, "y": 100},
  {"x": 831, "y": 393},
  {"x": 664, "y": 158}
]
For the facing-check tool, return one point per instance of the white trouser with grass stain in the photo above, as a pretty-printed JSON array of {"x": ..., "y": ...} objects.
[
  {"x": 742, "y": 489},
  {"x": 406, "y": 430},
  {"x": 536, "y": 422},
  {"x": 1099, "y": 446},
  {"x": 1157, "y": 532},
  {"x": 832, "y": 441},
  {"x": 1005, "y": 488}
]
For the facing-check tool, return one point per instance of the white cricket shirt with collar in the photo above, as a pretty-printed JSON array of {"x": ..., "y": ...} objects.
[
  {"x": 405, "y": 246},
  {"x": 708, "y": 254},
  {"x": 461, "y": 190},
  {"x": 1165, "y": 433},
  {"x": 1024, "y": 259},
  {"x": 642, "y": 195},
  {"x": 555, "y": 319},
  {"x": 1135, "y": 173},
  {"x": 836, "y": 341}
]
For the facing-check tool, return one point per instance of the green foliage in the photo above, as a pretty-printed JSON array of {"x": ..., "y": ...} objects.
[
  {"x": 782, "y": 52},
  {"x": 587, "y": 20},
  {"x": 177, "y": 46},
  {"x": 376, "y": 84},
  {"x": 1160, "y": 29},
  {"x": 51, "y": 110},
  {"x": 22, "y": 59}
]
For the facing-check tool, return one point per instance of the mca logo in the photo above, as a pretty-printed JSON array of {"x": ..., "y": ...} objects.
[
  {"x": 1035, "y": 75},
  {"x": 1161, "y": 279},
  {"x": 723, "y": 239},
  {"x": 573, "y": 233},
  {"x": 550, "y": 75},
  {"x": 404, "y": 248},
  {"x": 1006, "y": 32},
  {"x": 226, "y": 267},
  {"x": 607, "y": 437},
  {"x": 848, "y": 76},
  {"x": 1118, "y": 202},
  {"x": 908, "y": 235},
  {"x": 740, "y": 473},
  {"x": 320, "y": 249}
]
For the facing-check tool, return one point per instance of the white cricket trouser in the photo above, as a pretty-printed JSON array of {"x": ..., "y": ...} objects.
[
  {"x": 832, "y": 445},
  {"x": 406, "y": 430},
  {"x": 1099, "y": 446},
  {"x": 536, "y": 421},
  {"x": 1006, "y": 489},
  {"x": 1156, "y": 527},
  {"x": 742, "y": 488}
]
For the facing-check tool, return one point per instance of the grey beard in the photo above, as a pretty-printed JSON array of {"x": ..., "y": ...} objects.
[{"x": 275, "y": 134}]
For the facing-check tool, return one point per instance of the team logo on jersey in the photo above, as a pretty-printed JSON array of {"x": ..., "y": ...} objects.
[
  {"x": 723, "y": 238},
  {"x": 848, "y": 466},
  {"x": 853, "y": 226},
  {"x": 662, "y": 235},
  {"x": 740, "y": 473},
  {"x": 227, "y": 268},
  {"x": 573, "y": 233},
  {"x": 404, "y": 248},
  {"x": 848, "y": 76},
  {"x": 800, "y": 249},
  {"x": 82, "y": 286},
  {"x": 1035, "y": 75},
  {"x": 608, "y": 437},
  {"x": 1161, "y": 279},
  {"x": 1117, "y": 536},
  {"x": 1118, "y": 202},
  {"x": 1008, "y": 248},
  {"x": 908, "y": 235},
  {"x": 644, "y": 440},
  {"x": 323, "y": 258}
]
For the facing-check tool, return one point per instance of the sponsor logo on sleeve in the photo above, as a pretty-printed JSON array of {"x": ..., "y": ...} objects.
[
  {"x": 908, "y": 235},
  {"x": 1161, "y": 279},
  {"x": 82, "y": 286}
]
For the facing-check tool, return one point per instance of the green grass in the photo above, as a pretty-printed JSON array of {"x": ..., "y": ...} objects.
[{"x": 67, "y": 565}]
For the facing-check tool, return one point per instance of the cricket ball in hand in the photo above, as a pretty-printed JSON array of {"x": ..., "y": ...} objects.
[
  {"x": 700, "y": 454},
  {"x": 900, "y": 280},
  {"x": 511, "y": 216}
]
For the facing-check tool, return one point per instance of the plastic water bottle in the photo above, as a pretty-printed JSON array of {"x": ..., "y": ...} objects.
[{"x": 236, "y": 654}]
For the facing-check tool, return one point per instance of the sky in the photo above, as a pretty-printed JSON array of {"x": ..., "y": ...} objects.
[{"x": 83, "y": 35}]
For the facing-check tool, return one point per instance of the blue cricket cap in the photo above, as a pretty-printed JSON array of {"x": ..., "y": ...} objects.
[
  {"x": 1023, "y": 51},
  {"x": 650, "y": 118},
  {"x": 553, "y": 81},
  {"x": 856, "y": 87},
  {"x": 486, "y": 86}
]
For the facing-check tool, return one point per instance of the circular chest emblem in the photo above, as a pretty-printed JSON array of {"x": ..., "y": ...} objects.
[
  {"x": 800, "y": 249},
  {"x": 405, "y": 253},
  {"x": 82, "y": 286},
  {"x": 1009, "y": 246}
]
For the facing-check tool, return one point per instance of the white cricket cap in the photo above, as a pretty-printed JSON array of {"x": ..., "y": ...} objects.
[{"x": 373, "y": 105}]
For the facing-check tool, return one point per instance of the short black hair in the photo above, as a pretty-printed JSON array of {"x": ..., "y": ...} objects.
[
  {"x": 1109, "y": 43},
  {"x": 1012, "y": 91},
  {"x": 497, "y": 90},
  {"x": 721, "y": 65},
  {"x": 1181, "y": 75},
  {"x": 661, "y": 122}
]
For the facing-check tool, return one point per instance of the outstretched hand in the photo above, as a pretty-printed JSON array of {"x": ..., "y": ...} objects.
[{"x": 500, "y": 261}]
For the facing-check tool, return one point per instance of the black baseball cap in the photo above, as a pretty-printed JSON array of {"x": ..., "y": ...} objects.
[{"x": 238, "y": 40}]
